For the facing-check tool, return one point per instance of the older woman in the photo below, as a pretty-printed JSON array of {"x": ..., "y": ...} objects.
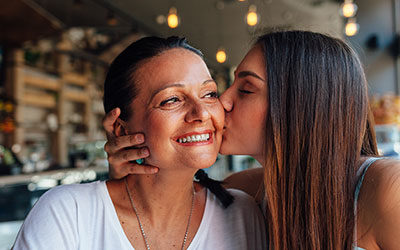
[
  {"x": 299, "y": 106},
  {"x": 165, "y": 91}
]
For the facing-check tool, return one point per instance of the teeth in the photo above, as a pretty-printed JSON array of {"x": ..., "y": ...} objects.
[{"x": 194, "y": 138}]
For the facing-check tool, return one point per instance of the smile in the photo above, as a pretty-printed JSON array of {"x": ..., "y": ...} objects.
[{"x": 195, "y": 138}]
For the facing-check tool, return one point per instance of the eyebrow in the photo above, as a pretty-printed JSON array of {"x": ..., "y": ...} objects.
[
  {"x": 243, "y": 74},
  {"x": 179, "y": 85}
]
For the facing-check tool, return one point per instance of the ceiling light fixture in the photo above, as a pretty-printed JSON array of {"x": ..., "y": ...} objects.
[
  {"x": 172, "y": 19},
  {"x": 348, "y": 8},
  {"x": 351, "y": 27},
  {"x": 252, "y": 17},
  {"x": 221, "y": 55}
]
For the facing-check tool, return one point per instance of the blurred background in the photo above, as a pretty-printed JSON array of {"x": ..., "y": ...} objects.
[{"x": 54, "y": 55}]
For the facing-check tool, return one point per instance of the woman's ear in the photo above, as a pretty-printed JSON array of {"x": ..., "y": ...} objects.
[{"x": 120, "y": 127}]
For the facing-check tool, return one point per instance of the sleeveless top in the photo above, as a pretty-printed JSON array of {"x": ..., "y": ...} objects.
[{"x": 361, "y": 173}]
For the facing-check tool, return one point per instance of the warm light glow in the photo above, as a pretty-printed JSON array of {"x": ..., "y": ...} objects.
[
  {"x": 252, "y": 17},
  {"x": 241, "y": 0},
  {"x": 173, "y": 20},
  {"x": 348, "y": 9},
  {"x": 351, "y": 28},
  {"x": 221, "y": 56}
]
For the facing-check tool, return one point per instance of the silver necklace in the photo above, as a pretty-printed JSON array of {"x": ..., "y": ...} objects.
[{"x": 140, "y": 223}]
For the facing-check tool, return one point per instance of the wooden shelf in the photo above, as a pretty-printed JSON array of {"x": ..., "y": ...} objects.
[
  {"x": 43, "y": 100},
  {"x": 48, "y": 93},
  {"x": 76, "y": 96},
  {"x": 41, "y": 82},
  {"x": 74, "y": 78}
]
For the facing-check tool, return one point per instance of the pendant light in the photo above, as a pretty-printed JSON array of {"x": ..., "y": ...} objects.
[
  {"x": 252, "y": 16},
  {"x": 221, "y": 55},
  {"x": 351, "y": 27},
  {"x": 348, "y": 8},
  {"x": 173, "y": 19}
]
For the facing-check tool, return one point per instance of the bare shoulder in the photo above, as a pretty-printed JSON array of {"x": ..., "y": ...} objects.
[
  {"x": 249, "y": 181},
  {"x": 379, "y": 205}
]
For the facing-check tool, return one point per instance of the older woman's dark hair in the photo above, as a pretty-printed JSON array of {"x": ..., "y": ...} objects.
[
  {"x": 316, "y": 132},
  {"x": 120, "y": 88}
]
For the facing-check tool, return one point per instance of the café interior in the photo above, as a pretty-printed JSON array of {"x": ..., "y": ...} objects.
[{"x": 54, "y": 56}]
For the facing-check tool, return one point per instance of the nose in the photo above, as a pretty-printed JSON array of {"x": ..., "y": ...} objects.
[
  {"x": 197, "y": 112},
  {"x": 227, "y": 100}
]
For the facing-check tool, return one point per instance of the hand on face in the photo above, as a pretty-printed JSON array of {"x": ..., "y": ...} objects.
[{"x": 121, "y": 155}]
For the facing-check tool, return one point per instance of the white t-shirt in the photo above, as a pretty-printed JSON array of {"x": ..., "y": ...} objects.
[{"x": 82, "y": 216}]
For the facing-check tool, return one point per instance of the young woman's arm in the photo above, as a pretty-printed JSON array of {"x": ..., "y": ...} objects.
[
  {"x": 249, "y": 181},
  {"x": 379, "y": 207}
]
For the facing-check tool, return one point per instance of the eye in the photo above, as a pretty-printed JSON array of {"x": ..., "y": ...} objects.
[
  {"x": 169, "y": 101},
  {"x": 245, "y": 91},
  {"x": 212, "y": 94}
]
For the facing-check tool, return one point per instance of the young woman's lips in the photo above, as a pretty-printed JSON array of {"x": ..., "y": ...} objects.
[{"x": 196, "y": 138}]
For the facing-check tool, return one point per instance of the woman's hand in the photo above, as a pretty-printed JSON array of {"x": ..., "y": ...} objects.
[{"x": 121, "y": 157}]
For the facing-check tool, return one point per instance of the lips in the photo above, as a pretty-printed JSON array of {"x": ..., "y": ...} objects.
[{"x": 195, "y": 138}]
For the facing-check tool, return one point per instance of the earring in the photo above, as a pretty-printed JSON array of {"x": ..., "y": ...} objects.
[{"x": 140, "y": 161}]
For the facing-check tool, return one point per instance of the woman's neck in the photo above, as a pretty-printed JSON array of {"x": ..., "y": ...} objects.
[{"x": 162, "y": 195}]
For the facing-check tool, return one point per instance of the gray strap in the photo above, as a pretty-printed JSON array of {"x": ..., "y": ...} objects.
[{"x": 361, "y": 174}]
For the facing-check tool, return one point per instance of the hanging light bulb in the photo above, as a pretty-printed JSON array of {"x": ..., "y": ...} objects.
[
  {"x": 221, "y": 55},
  {"x": 351, "y": 27},
  {"x": 348, "y": 9},
  {"x": 172, "y": 19},
  {"x": 252, "y": 17}
]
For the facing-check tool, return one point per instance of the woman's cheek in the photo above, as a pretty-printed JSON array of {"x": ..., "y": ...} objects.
[{"x": 219, "y": 116}]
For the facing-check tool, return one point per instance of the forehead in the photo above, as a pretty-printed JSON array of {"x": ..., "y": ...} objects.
[
  {"x": 172, "y": 66},
  {"x": 254, "y": 61}
]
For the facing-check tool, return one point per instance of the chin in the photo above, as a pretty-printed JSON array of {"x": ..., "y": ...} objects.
[
  {"x": 224, "y": 150},
  {"x": 205, "y": 162}
]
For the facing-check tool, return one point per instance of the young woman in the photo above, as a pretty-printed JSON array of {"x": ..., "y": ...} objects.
[
  {"x": 177, "y": 107},
  {"x": 299, "y": 106}
]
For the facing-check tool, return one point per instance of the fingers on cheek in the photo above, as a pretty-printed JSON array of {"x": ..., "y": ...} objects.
[{"x": 142, "y": 169}]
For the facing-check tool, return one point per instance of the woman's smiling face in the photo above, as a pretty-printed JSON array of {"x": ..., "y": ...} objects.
[{"x": 178, "y": 110}]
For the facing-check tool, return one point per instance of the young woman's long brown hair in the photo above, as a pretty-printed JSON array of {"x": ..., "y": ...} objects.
[{"x": 316, "y": 127}]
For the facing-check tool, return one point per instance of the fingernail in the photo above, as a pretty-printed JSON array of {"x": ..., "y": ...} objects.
[
  {"x": 140, "y": 138},
  {"x": 145, "y": 152}
]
